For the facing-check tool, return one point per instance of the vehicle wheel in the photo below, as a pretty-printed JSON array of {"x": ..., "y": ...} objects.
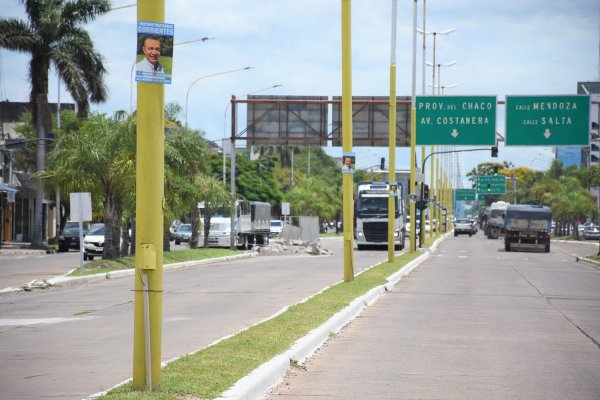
[
  {"x": 360, "y": 247},
  {"x": 506, "y": 246},
  {"x": 547, "y": 249},
  {"x": 455, "y": 234},
  {"x": 470, "y": 234},
  {"x": 178, "y": 242}
]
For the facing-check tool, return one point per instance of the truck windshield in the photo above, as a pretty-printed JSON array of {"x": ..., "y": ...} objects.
[{"x": 373, "y": 204}]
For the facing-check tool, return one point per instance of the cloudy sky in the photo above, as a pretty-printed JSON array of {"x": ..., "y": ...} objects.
[{"x": 510, "y": 47}]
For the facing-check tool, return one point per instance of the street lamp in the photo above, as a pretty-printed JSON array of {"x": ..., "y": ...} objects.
[
  {"x": 439, "y": 68},
  {"x": 443, "y": 87},
  {"x": 204, "y": 39},
  {"x": 225, "y": 122},
  {"x": 446, "y": 32},
  {"x": 204, "y": 77}
]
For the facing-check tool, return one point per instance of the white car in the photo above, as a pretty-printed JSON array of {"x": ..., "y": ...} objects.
[
  {"x": 276, "y": 228},
  {"x": 93, "y": 242}
]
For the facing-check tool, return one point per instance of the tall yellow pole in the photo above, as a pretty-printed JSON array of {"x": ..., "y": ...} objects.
[
  {"x": 392, "y": 144},
  {"x": 438, "y": 198},
  {"x": 422, "y": 212},
  {"x": 347, "y": 181},
  {"x": 413, "y": 136},
  {"x": 431, "y": 191},
  {"x": 149, "y": 221}
]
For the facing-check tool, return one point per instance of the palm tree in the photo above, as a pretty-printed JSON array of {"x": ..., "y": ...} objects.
[
  {"x": 98, "y": 158},
  {"x": 185, "y": 160},
  {"x": 53, "y": 36}
]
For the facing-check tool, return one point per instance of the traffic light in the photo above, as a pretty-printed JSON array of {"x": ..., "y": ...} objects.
[
  {"x": 494, "y": 151},
  {"x": 425, "y": 192},
  {"x": 495, "y": 170},
  {"x": 382, "y": 163}
]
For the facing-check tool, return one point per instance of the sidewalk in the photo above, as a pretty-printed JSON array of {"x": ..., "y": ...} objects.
[{"x": 21, "y": 248}]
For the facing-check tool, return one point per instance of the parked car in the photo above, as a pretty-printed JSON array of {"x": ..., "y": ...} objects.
[
  {"x": 173, "y": 228},
  {"x": 69, "y": 237},
  {"x": 183, "y": 234},
  {"x": 276, "y": 228},
  {"x": 591, "y": 233},
  {"x": 93, "y": 243}
]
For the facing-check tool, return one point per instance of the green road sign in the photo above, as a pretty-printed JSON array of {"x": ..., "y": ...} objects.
[
  {"x": 464, "y": 194},
  {"x": 456, "y": 120},
  {"x": 489, "y": 184},
  {"x": 548, "y": 120}
]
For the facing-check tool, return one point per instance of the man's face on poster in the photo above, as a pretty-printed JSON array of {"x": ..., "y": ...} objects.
[{"x": 151, "y": 50}]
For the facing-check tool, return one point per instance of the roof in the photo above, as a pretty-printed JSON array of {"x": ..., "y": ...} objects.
[{"x": 7, "y": 188}]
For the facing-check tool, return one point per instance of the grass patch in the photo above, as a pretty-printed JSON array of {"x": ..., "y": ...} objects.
[
  {"x": 211, "y": 371},
  {"x": 169, "y": 257}
]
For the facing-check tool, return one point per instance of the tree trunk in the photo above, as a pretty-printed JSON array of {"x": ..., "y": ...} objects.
[
  {"x": 40, "y": 164},
  {"x": 166, "y": 235},
  {"x": 113, "y": 211},
  {"x": 125, "y": 238},
  {"x": 206, "y": 226},
  {"x": 195, "y": 221}
]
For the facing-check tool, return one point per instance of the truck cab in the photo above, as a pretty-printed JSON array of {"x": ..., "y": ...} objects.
[{"x": 371, "y": 215}]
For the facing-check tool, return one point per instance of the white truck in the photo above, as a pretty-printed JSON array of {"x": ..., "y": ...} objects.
[
  {"x": 494, "y": 219},
  {"x": 371, "y": 215},
  {"x": 251, "y": 225}
]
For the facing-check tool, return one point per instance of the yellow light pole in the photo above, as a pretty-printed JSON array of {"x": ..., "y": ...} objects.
[
  {"x": 392, "y": 145},
  {"x": 413, "y": 137},
  {"x": 147, "y": 329},
  {"x": 431, "y": 192},
  {"x": 347, "y": 181}
]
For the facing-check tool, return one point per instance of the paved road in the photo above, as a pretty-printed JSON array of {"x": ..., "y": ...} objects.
[
  {"x": 70, "y": 342},
  {"x": 472, "y": 322}
]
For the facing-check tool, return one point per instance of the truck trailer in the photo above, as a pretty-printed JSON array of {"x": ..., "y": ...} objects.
[
  {"x": 494, "y": 217},
  {"x": 371, "y": 215},
  {"x": 251, "y": 225},
  {"x": 527, "y": 227}
]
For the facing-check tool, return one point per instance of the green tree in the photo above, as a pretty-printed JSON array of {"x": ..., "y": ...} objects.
[
  {"x": 53, "y": 36},
  {"x": 313, "y": 197},
  {"x": 98, "y": 158},
  {"x": 255, "y": 179},
  {"x": 186, "y": 153}
]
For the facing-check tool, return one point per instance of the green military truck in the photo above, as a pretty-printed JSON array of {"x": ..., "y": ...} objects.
[{"x": 527, "y": 227}]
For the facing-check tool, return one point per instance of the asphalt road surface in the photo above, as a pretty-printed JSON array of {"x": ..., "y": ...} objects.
[
  {"x": 471, "y": 322},
  {"x": 71, "y": 342}
]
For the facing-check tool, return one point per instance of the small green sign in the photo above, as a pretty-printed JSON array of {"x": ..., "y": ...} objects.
[
  {"x": 548, "y": 120},
  {"x": 490, "y": 184},
  {"x": 456, "y": 120},
  {"x": 464, "y": 194}
]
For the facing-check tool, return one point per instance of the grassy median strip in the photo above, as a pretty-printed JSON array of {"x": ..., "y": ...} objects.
[
  {"x": 209, "y": 372},
  {"x": 169, "y": 257}
]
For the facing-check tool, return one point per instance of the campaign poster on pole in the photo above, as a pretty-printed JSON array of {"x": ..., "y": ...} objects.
[{"x": 154, "y": 52}]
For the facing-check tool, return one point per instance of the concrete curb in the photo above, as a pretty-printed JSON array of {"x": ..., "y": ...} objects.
[
  {"x": 270, "y": 374},
  {"x": 65, "y": 280}
]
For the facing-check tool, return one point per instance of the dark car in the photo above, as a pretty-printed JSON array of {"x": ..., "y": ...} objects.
[
  {"x": 183, "y": 234},
  {"x": 69, "y": 237}
]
